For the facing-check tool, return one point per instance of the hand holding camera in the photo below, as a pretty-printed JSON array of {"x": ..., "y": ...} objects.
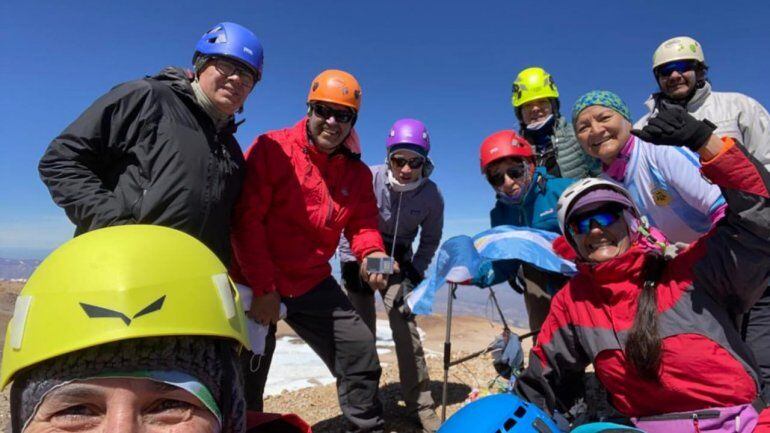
[{"x": 376, "y": 269}]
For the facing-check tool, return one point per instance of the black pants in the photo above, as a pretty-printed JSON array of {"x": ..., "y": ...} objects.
[
  {"x": 756, "y": 334},
  {"x": 325, "y": 319}
]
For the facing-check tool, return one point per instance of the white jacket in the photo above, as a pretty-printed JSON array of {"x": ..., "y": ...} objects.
[{"x": 735, "y": 115}]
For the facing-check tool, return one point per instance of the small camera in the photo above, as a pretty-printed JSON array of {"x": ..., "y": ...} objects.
[{"x": 379, "y": 265}]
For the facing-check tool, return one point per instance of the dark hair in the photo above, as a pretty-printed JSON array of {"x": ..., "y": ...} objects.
[{"x": 643, "y": 347}]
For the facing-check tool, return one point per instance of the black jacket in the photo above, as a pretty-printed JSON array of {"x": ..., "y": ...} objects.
[{"x": 147, "y": 153}]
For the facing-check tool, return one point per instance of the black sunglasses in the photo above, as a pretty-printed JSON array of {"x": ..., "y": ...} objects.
[
  {"x": 228, "y": 68},
  {"x": 680, "y": 66},
  {"x": 513, "y": 172},
  {"x": 400, "y": 162},
  {"x": 342, "y": 116}
]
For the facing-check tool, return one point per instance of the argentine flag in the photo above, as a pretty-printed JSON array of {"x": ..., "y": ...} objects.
[{"x": 487, "y": 259}]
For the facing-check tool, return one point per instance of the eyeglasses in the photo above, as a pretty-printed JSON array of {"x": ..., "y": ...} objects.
[
  {"x": 603, "y": 218},
  {"x": 414, "y": 163},
  {"x": 514, "y": 172},
  {"x": 680, "y": 66},
  {"x": 342, "y": 116},
  {"x": 228, "y": 68}
]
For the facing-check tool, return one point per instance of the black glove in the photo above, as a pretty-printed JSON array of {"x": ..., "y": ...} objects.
[
  {"x": 674, "y": 126},
  {"x": 411, "y": 273}
]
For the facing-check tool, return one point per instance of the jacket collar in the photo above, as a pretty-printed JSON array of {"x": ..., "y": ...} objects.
[
  {"x": 300, "y": 132},
  {"x": 537, "y": 187},
  {"x": 696, "y": 100},
  {"x": 619, "y": 277},
  {"x": 179, "y": 80}
]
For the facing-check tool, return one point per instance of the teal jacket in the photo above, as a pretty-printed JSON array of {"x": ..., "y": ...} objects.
[{"x": 538, "y": 209}]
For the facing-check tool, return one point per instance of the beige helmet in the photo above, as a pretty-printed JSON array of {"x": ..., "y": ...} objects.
[{"x": 678, "y": 48}]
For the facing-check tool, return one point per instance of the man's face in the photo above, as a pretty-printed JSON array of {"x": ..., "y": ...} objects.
[
  {"x": 226, "y": 83},
  {"x": 326, "y": 130},
  {"x": 121, "y": 405},
  {"x": 678, "y": 79},
  {"x": 536, "y": 111}
]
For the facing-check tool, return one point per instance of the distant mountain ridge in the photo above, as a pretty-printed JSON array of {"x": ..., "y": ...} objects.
[{"x": 17, "y": 269}]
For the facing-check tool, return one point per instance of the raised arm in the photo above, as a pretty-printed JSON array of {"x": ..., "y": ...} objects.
[{"x": 732, "y": 262}]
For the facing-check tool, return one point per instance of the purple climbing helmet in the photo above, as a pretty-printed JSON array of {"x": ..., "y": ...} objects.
[{"x": 408, "y": 134}]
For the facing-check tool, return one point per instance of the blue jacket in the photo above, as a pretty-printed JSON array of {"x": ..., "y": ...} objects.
[{"x": 538, "y": 209}]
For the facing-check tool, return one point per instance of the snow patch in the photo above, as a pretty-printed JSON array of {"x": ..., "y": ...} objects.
[{"x": 296, "y": 366}]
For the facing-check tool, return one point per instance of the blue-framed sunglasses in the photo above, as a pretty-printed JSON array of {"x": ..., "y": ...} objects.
[
  {"x": 603, "y": 218},
  {"x": 680, "y": 66}
]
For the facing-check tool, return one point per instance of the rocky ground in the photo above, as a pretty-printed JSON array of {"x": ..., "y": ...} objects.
[{"x": 318, "y": 405}]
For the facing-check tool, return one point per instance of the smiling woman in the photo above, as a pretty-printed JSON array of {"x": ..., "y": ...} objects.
[
  {"x": 650, "y": 323},
  {"x": 664, "y": 181}
]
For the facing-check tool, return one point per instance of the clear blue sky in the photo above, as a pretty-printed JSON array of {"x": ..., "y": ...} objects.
[{"x": 448, "y": 63}]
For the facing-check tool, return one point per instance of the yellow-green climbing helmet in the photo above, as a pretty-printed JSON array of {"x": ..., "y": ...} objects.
[
  {"x": 532, "y": 84},
  {"x": 120, "y": 283}
]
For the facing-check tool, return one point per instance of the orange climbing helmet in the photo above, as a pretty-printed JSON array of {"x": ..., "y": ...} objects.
[{"x": 337, "y": 87}]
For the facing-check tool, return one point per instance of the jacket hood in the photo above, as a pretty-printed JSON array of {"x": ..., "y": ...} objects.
[{"x": 177, "y": 78}]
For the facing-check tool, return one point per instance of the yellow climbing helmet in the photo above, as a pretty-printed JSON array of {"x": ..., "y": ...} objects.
[
  {"x": 532, "y": 84},
  {"x": 120, "y": 283}
]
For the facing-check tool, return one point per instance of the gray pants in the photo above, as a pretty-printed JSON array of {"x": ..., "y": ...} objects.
[
  {"x": 328, "y": 323},
  {"x": 412, "y": 369},
  {"x": 536, "y": 298}
]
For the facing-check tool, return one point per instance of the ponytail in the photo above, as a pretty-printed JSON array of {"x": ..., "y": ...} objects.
[{"x": 643, "y": 347}]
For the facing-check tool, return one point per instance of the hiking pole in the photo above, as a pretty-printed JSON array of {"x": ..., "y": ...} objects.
[
  {"x": 499, "y": 310},
  {"x": 447, "y": 349},
  {"x": 468, "y": 357}
]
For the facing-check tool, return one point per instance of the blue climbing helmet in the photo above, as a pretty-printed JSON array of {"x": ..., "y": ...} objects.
[
  {"x": 605, "y": 427},
  {"x": 233, "y": 41},
  {"x": 500, "y": 413}
]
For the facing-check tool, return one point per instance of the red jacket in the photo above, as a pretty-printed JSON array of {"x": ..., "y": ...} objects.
[
  {"x": 294, "y": 205},
  {"x": 704, "y": 363}
]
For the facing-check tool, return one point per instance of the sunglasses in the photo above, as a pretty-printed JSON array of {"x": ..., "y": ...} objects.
[
  {"x": 514, "y": 172},
  {"x": 414, "y": 163},
  {"x": 227, "y": 69},
  {"x": 342, "y": 116},
  {"x": 603, "y": 218},
  {"x": 680, "y": 66}
]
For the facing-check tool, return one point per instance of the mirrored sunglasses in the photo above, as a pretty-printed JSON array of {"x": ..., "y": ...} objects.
[
  {"x": 680, "y": 66},
  {"x": 603, "y": 218}
]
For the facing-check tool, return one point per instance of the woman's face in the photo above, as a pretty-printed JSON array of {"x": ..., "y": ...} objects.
[
  {"x": 602, "y": 132},
  {"x": 510, "y": 176},
  {"x": 121, "y": 405},
  {"x": 401, "y": 163},
  {"x": 536, "y": 111},
  {"x": 600, "y": 235}
]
